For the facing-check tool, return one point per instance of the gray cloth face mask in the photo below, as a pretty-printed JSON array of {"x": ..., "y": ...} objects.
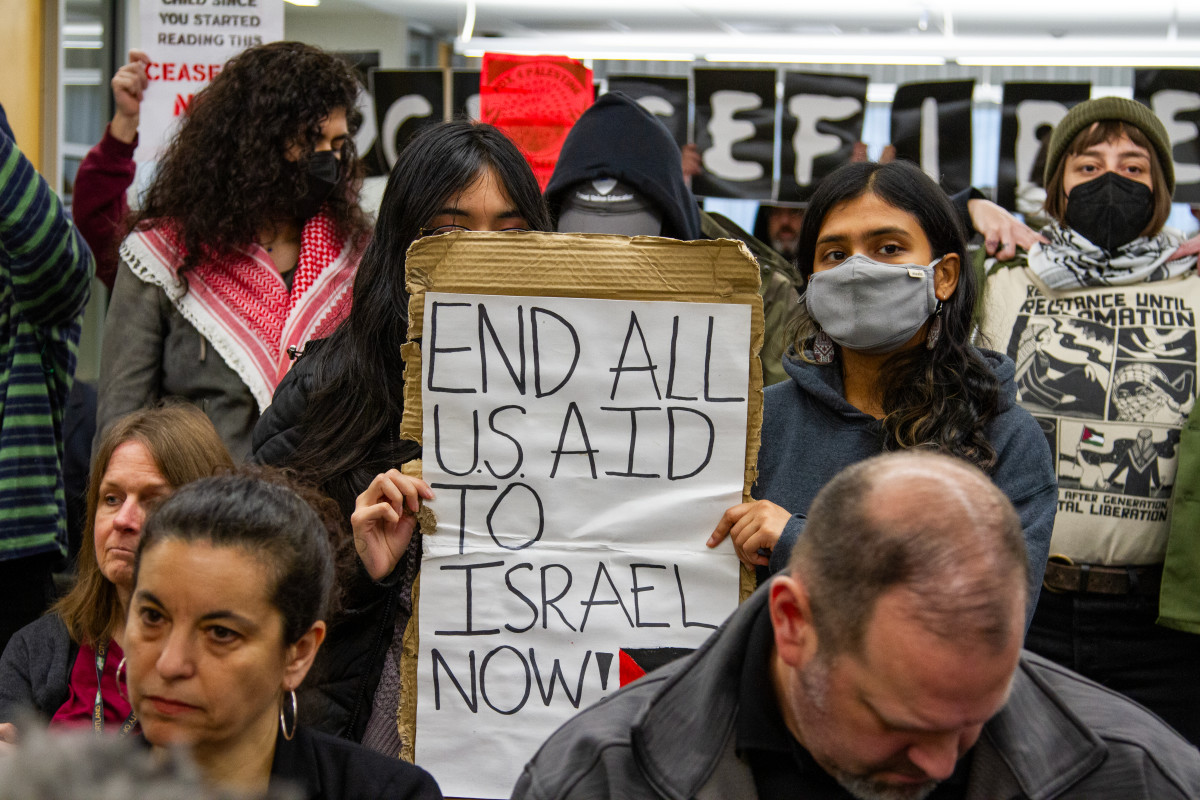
[{"x": 870, "y": 306}]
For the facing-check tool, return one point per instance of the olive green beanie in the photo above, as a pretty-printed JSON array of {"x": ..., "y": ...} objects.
[{"x": 1081, "y": 116}]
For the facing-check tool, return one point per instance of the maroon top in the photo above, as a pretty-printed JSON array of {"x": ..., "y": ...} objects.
[
  {"x": 99, "y": 205},
  {"x": 81, "y": 702}
]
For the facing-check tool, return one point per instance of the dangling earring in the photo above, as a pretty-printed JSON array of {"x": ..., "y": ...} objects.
[
  {"x": 823, "y": 348},
  {"x": 283, "y": 728},
  {"x": 935, "y": 328},
  {"x": 120, "y": 669}
]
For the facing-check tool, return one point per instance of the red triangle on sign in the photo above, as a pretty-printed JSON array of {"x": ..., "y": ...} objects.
[{"x": 630, "y": 671}]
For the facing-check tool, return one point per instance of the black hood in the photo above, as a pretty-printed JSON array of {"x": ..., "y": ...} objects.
[{"x": 617, "y": 138}]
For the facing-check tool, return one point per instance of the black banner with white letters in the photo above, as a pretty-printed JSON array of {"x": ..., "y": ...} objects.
[
  {"x": 666, "y": 98},
  {"x": 405, "y": 101},
  {"x": 735, "y": 132},
  {"x": 1174, "y": 96},
  {"x": 745, "y": 132},
  {"x": 1028, "y": 112},
  {"x": 931, "y": 125},
  {"x": 821, "y": 122},
  {"x": 464, "y": 100}
]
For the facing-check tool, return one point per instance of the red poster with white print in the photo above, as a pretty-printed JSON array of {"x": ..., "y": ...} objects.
[{"x": 535, "y": 100}]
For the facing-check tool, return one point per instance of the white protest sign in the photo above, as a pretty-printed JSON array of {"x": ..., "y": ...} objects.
[
  {"x": 581, "y": 451},
  {"x": 188, "y": 41}
]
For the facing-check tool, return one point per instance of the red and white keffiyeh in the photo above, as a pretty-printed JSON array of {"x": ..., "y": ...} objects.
[{"x": 241, "y": 304}]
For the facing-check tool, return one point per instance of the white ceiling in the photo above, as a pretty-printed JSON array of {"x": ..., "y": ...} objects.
[{"x": 1167, "y": 31}]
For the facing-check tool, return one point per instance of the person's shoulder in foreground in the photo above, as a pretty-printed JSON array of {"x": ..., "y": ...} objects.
[
  {"x": 326, "y": 767},
  {"x": 1060, "y": 736},
  {"x": 1063, "y": 736},
  {"x": 887, "y": 661}
]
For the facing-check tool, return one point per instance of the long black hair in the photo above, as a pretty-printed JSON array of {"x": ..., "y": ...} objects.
[
  {"x": 353, "y": 415},
  {"x": 943, "y": 397},
  {"x": 225, "y": 175}
]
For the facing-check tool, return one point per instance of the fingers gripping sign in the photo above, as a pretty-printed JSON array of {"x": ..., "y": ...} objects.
[
  {"x": 384, "y": 519},
  {"x": 754, "y": 528},
  {"x": 8, "y": 737}
]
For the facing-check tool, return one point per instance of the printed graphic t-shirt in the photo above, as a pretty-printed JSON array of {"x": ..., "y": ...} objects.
[{"x": 1109, "y": 373}]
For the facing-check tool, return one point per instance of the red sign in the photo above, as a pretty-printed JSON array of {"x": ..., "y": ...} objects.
[{"x": 535, "y": 100}]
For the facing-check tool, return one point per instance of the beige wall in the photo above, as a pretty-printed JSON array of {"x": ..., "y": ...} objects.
[
  {"x": 358, "y": 30},
  {"x": 23, "y": 76}
]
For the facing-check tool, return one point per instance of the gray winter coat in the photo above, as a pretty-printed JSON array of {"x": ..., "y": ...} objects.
[
  {"x": 35, "y": 671},
  {"x": 151, "y": 352},
  {"x": 671, "y": 735}
]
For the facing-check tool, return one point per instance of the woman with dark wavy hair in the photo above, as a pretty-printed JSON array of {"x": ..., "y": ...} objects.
[
  {"x": 336, "y": 417},
  {"x": 246, "y": 243},
  {"x": 883, "y": 360}
]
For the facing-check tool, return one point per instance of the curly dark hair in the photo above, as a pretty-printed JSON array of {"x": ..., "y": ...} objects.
[
  {"x": 942, "y": 398},
  {"x": 226, "y": 175},
  {"x": 354, "y": 410}
]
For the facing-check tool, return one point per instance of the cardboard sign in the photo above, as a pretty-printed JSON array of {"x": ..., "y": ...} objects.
[
  {"x": 1174, "y": 96},
  {"x": 735, "y": 132},
  {"x": 187, "y": 45},
  {"x": 822, "y": 120},
  {"x": 666, "y": 98},
  {"x": 535, "y": 100},
  {"x": 584, "y": 423},
  {"x": 931, "y": 125}
]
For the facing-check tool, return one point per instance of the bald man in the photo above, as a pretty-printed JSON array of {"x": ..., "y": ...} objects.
[{"x": 885, "y": 664}]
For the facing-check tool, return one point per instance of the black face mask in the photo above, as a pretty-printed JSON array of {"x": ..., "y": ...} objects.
[
  {"x": 322, "y": 171},
  {"x": 1110, "y": 211}
]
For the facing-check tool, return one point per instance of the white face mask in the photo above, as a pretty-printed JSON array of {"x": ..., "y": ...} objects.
[{"x": 870, "y": 306}]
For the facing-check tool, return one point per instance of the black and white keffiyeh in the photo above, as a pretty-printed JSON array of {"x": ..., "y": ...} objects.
[{"x": 1070, "y": 260}]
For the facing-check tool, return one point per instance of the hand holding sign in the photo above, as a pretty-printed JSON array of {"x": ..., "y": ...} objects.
[
  {"x": 384, "y": 520},
  {"x": 8, "y": 737},
  {"x": 754, "y": 527}
]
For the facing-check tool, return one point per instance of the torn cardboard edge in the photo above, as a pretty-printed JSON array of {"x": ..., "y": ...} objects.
[{"x": 597, "y": 266}]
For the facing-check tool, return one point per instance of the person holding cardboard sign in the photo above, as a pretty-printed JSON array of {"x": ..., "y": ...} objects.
[
  {"x": 883, "y": 360},
  {"x": 336, "y": 416},
  {"x": 246, "y": 243}
]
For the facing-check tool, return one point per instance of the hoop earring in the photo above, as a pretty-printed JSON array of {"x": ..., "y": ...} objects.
[
  {"x": 823, "y": 348},
  {"x": 283, "y": 728},
  {"x": 117, "y": 677},
  {"x": 935, "y": 328}
]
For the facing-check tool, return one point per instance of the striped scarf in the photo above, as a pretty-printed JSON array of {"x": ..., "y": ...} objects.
[{"x": 1069, "y": 260}]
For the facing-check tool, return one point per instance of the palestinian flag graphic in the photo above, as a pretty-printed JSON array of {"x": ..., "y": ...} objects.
[
  {"x": 636, "y": 663},
  {"x": 1091, "y": 437}
]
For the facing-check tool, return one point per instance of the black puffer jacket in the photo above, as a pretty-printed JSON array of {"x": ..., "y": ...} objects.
[
  {"x": 617, "y": 138},
  {"x": 336, "y": 696}
]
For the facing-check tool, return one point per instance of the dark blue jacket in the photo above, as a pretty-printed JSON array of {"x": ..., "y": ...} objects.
[{"x": 810, "y": 433}]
